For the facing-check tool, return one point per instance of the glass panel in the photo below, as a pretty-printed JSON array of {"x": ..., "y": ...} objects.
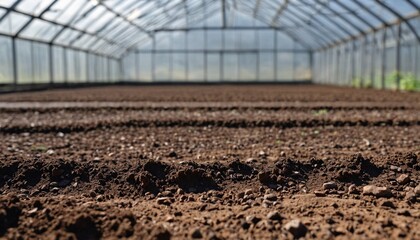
[
  {"x": 145, "y": 68},
  {"x": 40, "y": 63},
  {"x": 285, "y": 66},
  {"x": 6, "y": 60},
  {"x": 302, "y": 66},
  {"x": 33, "y": 7},
  {"x": 196, "y": 67},
  {"x": 162, "y": 67},
  {"x": 266, "y": 66},
  {"x": 13, "y": 23},
  {"x": 58, "y": 64},
  {"x": 179, "y": 67},
  {"x": 247, "y": 67},
  {"x": 230, "y": 67},
  {"x": 41, "y": 30},
  {"x": 25, "y": 59},
  {"x": 213, "y": 67},
  {"x": 7, "y": 3}
]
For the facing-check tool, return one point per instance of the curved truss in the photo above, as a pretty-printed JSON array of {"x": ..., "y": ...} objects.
[{"x": 111, "y": 27}]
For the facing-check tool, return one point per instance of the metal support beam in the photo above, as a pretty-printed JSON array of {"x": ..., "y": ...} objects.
[
  {"x": 372, "y": 60},
  {"x": 154, "y": 60},
  {"x": 398, "y": 57},
  {"x": 15, "y": 64},
  {"x": 383, "y": 57},
  {"x": 51, "y": 58},
  {"x": 276, "y": 77},
  {"x": 224, "y": 20},
  {"x": 401, "y": 18},
  {"x": 279, "y": 11}
]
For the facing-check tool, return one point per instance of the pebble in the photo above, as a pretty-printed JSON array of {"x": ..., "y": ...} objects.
[
  {"x": 388, "y": 203},
  {"x": 274, "y": 215},
  {"x": 196, "y": 233},
  {"x": 417, "y": 190},
  {"x": 330, "y": 185},
  {"x": 395, "y": 169},
  {"x": 164, "y": 201},
  {"x": 270, "y": 197},
  {"x": 253, "y": 219},
  {"x": 296, "y": 228},
  {"x": 249, "y": 191},
  {"x": 353, "y": 189},
  {"x": 377, "y": 191},
  {"x": 320, "y": 193},
  {"x": 403, "y": 179}
]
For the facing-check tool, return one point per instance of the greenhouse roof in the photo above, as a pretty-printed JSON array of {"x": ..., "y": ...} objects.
[{"x": 112, "y": 27}]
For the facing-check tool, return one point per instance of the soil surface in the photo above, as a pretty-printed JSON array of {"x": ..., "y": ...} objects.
[{"x": 210, "y": 162}]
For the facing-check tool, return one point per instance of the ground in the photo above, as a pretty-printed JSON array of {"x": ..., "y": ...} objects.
[{"x": 212, "y": 162}]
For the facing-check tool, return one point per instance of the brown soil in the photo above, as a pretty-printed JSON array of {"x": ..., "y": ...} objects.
[{"x": 213, "y": 162}]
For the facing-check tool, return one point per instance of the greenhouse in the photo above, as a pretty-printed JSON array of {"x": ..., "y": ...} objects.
[
  {"x": 371, "y": 43},
  {"x": 209, "y": 119}
]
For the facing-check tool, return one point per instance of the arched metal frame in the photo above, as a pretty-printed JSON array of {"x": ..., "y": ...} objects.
[{"x": 123, "y": 26}]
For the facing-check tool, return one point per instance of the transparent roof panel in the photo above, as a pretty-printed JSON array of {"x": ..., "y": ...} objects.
[
  {"x": 7, "y": 3},
  {"x": 115, "y": 26},
  {"x": 41, "y": 30},
  {"x": 33, "y": 7},
  {"x": 12, "y": 22}
]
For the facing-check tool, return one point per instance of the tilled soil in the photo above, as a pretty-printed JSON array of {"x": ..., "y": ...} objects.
[{"x": 213, "y": 162}]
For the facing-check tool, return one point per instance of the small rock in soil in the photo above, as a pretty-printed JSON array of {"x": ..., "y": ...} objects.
[
  {"x": 403, "y": 179},
  {"x": 296, "y": 228},
  {"x": 196, "y": 233},
  {"x": 274, "y": 215},
  {"x": 253, "y": 219},
  {"x": 164, "y": 201},
  {"x": 270, "y": 197},
  {"x": 353, "y": 189},
  {"x": 417, "y": 190},
  {"x": 330, "y": 185},
  {"x": 388, "y": 203},
  {"x": 320, "y": 193},
  {"x": 377, "y": 191},
  {"x": 160, "y": 233}
]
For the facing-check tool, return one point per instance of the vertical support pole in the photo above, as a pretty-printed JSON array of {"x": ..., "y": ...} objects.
[
  {"x": 257, "y": 43},
  {"x": 311, "y": 66},
  {"x": 154, "y": 59},
  {"x": 15, "y": 67},
  {"x": 398, "y": 56},
  {"x": 32, "y": 63},
  {"x": 121, "y": 70},
  {"x": 222, "y": 60},
  {"x": 276, "y": 53},
  {"x": 372, "y": 60},
  {"x": 76, "y": 67},
  {"x": 187, "y": 67},
  {"x": 416, "y": 61},
  {"x": 363, "y": 62},
  {"x": 137, "y": 67},
  {"x": 108, "y": 67},
  {"x": 65, "y": 65},
  {"x": 205, "y": 56},
  {"x": 51, "y": 62},
  {"x": 87, "y": 66},
  {"x": 337, "y": 65},
  {"x": 224, "y": 20},
  {"x": 384, "y": 56},
  {"x": 171, "y": 58},
  {"x": 294, "y": 62}
]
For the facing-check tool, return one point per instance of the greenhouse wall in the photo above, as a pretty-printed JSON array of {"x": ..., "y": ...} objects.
[
  {"x": 388, "y": 59},
  {"x": 35, "y": 64},
  {"x": 218, "y": 56}
]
